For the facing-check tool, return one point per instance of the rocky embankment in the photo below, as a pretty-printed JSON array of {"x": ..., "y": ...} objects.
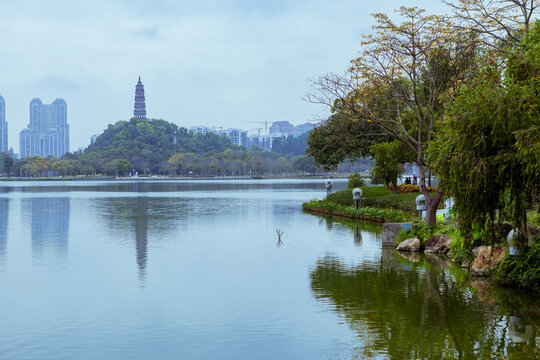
[{"x": 486, "y": 257}]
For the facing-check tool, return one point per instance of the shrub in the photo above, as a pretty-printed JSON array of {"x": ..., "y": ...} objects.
[
  {"x": 356, "y": 180},
  {"x": 522, "y": 270}
]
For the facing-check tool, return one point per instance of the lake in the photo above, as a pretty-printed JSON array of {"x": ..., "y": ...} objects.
[{"x": 193, "y": 270}]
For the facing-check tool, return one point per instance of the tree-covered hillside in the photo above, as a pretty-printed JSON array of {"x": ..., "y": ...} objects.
[{"x": 148, "y": 143}]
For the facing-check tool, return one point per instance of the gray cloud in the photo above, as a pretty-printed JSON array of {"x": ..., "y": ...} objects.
[{"x": 211, "y": 62}]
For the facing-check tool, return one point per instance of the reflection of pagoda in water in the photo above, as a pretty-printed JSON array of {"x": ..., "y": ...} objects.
[
  {"x": 49, "y": 224},
  {"x": 4, "y": 211},
  {"x": 141, "y": 235}
]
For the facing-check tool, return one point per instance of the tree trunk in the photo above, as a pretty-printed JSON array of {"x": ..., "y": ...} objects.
[
  {"x": 431, "y": 202},
  {"x": 431, "y": 214}
]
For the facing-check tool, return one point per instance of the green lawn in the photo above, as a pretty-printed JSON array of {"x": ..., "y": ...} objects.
[{"x": 377, "y": 196}]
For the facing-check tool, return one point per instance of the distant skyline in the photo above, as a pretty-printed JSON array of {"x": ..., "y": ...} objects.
[{"x": 213, "y": 63}]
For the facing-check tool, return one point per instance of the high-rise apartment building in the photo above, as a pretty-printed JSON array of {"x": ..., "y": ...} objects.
[
  {"x": 281, "y": 128},
  {"x": 3, "y": 126},
  {"x": 48, "y": 131},
  {"x": 139, "y": 108}
]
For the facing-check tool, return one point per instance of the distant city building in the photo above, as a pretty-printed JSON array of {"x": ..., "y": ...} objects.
[
  {"x": 139, "y": 108},
  {"x": 3, "y": 126},
  {"x": 202, "y": 129},
  {"x": 262, "y": 141},
  {"x": 237, "y": 136},
  {"x": 48, "y": 131},
  {"x": 281, "y": 128},
  {"x": 303, "y": 128}
]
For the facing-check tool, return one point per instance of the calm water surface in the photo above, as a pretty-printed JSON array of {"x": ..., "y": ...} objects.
[{"x": 140, "y": 270}]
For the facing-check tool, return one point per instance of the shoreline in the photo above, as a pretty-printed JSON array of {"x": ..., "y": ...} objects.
[
  {"x": 161, "y": 177},
  {"x": 494, "y": 276}
]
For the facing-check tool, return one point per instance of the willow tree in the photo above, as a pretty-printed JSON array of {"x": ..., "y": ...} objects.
[
  {"x": 488, "y": 150},
  {"x": 415, "y": 64}
]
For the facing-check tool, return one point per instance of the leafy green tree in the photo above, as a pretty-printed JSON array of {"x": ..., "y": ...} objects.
[
  {"x": 117, "y": 167},
  {"x": 488, "y": 151},
  {"x": 399, "y": 82},
  {"x": 305, "y": 164},
  {"x": 6, "y": 162},
  {"x": 355, "y": 180},
  {"x": 290, "y": 145},
  {"x": 342, "y": 137},
  {"x": 389, "y": 161}
]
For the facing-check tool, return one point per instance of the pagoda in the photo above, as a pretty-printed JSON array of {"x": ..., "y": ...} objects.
[{"x": 139, "y": 109}]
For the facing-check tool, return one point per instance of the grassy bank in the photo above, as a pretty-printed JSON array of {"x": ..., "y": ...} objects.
[
  {"x": 378, "y": 197},
  {"x": 328, "y": 208}
]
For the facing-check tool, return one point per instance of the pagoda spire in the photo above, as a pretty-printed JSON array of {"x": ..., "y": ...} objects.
[{"x": 139, "y": 108}]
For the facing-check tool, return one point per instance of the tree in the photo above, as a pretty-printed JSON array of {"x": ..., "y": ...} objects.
[
  {"x": 389, "y": 161},
  {"x": 499, "y": 24},
  {"x": 117, "y": 166},
  {"x": 488, "y": 151},
  {"x": 305, "y": 164},
  {"x": 342, "y": 137},
  {"x": 400, "y": 81},
  {"x": 6, "y": 162},
  {"x": 290, "y": 145}
]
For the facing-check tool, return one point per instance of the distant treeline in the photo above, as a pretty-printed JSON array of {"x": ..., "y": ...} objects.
[{"x": 152, "y": 146}]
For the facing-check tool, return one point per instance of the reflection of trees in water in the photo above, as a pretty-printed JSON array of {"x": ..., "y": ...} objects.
[
  {"x": 354, "y": 225},
  {"x": 412, "y": 314},
  {"x": 49, "y": 219},
  {"x": 4, "y": 213}
]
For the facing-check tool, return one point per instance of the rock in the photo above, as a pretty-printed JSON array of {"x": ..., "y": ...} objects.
[
  {"x": 412, "y": 244},
  {"x": 410, "y": 256},
  {"x": 438, "y": 244},
  {"x": 438, "y": 262},
  {"x": 487, "y": 257},
  {"x": 483, "y": 292}
]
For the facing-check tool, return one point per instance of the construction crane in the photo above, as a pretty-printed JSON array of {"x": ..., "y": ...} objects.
[
  {"x": 258, "y": 131},
  {"x": 262, "y": 122}
]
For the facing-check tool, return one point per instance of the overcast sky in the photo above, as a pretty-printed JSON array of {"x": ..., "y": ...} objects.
[{"x": 208, "y": 62}]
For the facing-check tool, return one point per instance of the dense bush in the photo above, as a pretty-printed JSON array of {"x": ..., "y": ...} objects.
[
  {"x": 356, "y": 180},
  {"x": 365, "y": 213},
  {"x": 423, "y": 232},
  {"x": 522, "y": 270}
]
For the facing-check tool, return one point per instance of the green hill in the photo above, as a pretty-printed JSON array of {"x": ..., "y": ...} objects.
[{"x": 148, "y": 143}]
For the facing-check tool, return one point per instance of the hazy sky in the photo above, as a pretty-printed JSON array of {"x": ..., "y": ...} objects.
[{"x": 209, "y": 62}]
